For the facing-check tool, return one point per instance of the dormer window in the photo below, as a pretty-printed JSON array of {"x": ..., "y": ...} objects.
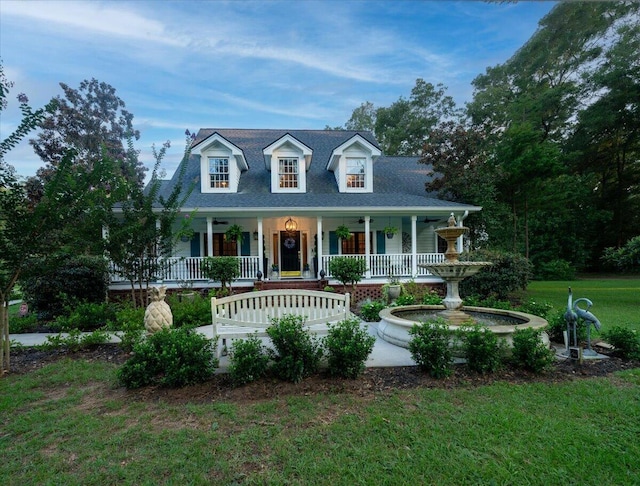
[
  {"x": 356, "y": 171},
  {"x": 288, "y": 160},
  {"x": 288, "y": 173},
  {"x": 219, "y": 172},
  {"x": 221, "y": 164},
  {"x": 352, "y": 164}
]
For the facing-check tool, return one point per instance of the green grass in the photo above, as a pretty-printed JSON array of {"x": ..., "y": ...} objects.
[
  {"x": 69, "y": 424},
  {"x": 616, "y": 301}
]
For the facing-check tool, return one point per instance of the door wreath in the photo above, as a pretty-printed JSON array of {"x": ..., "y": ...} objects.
[{"x": 289, "y": 243}]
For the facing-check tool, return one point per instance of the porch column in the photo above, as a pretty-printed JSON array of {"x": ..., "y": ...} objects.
[
  {"x": 209, "y": 236},
  {"x": 367, "y": 245},
  {"x": 414, "y": 246},
  {"x": 260, "y": 248},
  {"x": 319, "y": 237}
]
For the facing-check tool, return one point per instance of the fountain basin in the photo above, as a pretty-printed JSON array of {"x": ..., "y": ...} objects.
[{"x": 395, "y": 322}]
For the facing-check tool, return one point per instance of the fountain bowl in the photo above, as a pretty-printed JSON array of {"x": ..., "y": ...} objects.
[{"x": 395, "y": 322}]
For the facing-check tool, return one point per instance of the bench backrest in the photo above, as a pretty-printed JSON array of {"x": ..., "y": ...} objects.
[{"x": 259, "y": 308}]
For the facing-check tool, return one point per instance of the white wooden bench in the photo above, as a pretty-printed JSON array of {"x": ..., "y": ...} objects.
[{"x": 242, "y": 315}]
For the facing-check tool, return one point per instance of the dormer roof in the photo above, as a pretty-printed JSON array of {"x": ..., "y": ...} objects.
[{"x": 287, "y": 140}]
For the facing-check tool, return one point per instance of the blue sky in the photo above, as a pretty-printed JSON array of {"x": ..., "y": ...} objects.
[{"x": 240, "y": 64}]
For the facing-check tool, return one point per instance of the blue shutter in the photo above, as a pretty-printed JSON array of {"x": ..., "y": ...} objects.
[
  {"x": 333, "y": 243},
  {"x": 195, "y": 245},
  {"x": 245, "y": 246},
  {"x": 380, "y": 242}
]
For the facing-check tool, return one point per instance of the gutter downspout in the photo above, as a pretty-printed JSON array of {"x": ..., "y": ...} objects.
[{"x": 460, "y": 241}]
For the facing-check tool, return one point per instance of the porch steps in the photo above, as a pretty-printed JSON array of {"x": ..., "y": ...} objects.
[{"x": 291, "y": 284}]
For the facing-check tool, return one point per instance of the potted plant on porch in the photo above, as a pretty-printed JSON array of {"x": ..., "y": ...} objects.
[
  {"x": 234, "y": 233},
  {"x": 275, "y": 272},
  {"x": 393, "y": 288},
  {"x": 343, "y": 232},
  {"x": 390, "y": 231}
]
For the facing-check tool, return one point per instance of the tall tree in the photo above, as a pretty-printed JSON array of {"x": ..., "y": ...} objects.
[
  {"x": 529, "y": 107},
  {"x": 93, "y": 121},
  {"x": 402, "y": 128},
  {"x": 141, "y": 230},
  {"x": 20, "y": 223}
]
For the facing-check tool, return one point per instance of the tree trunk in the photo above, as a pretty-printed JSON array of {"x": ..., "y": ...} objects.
[{"x": 5, "y": 345}]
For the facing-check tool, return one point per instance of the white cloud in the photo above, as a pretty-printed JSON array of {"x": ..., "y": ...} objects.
[{"x": 95, "y": 17}]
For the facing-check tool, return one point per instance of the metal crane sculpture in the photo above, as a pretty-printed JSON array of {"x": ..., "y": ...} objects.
[{"x": 573, "y": 314}]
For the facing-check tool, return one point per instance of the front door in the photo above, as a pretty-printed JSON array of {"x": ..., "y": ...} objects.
[{"x": 290, "y": 253}]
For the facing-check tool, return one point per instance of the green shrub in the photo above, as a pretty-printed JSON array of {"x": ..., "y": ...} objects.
[
  {"x": 556, "y": 270},
  {"x": 432, "y": 298},
  {"x": 626, "y": 258},
  {"x": 429, "y": 347},
  {"x": 483, "y": 349},
  {"x": 297, "y": 354},
  {"x": 75, "y": 340},
  {"x": 19, "y": 325},
  {"x": 420, "y": 292},
  {"x": 405, "y": 300},
  {"x": 223, "y": 269},
  {"x": 130, "y": 325},
  {"x": 193, "y": 312},
  {"x": 529, "y": 352},
  {"x": 370, "y": 311},
  {"x": 347, "y": 270},
  {"x": 248, "y": 360},
  {"x": 328, "y": 288},
  {"x": 508, "y": 273},
  {"x": 87, "y": 316},
  {"x": 625, "y": 341},
  {"x": 348, "y": 346},
  {"x": 60, "y": 282},
  {"x": 494, "y": 303},
  {"x": 170, "y": 357},
  {"x": 540, "y": 309}
]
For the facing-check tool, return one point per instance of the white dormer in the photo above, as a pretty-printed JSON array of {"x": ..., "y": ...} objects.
[
  {"x": 288, "y": 160},
  {"x": 221, "y": 164},
  {"x": 352, "y": 164}
]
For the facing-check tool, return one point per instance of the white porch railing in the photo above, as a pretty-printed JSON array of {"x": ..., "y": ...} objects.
[
  {"x": 398, "y": 264},
  {"x": 189, "y": 269},
  {"x": 380, "y": 266}
]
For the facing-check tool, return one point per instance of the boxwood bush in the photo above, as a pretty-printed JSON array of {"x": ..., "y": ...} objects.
[
  {"x": 170, "y": 357},
  {"x": 297, "y": 353},
  {"x": 348, "y": 345},
  {"x": 429, "y": 347}
]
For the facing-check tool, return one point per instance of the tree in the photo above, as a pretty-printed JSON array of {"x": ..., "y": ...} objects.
[
  {"x": 93, "y": 121},
  {"x": 552, "y": 122},
  {"x": 141, "y": 229},
  {"x": 21, "y": 225},
  {"x": 403, "y": 127}
]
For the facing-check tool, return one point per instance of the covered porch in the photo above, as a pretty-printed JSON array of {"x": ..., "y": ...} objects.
[{"x": 300, "y": 245}]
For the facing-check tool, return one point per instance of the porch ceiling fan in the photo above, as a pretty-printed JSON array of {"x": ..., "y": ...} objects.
[
  {"x": 429, "y": 220},
  {"x": 361, "y": 220},
  {"x": 215, "y": 221}
]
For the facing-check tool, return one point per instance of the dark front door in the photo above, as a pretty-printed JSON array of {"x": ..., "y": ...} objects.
[{"x": 290, "y": 254}]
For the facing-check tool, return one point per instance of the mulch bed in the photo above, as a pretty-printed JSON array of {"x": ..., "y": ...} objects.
[{"x": 373, "y": 381}]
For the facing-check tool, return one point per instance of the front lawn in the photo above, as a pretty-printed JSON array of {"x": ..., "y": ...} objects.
[
  {"x": 616, "y": 301},
  {"x": 69, "y": 423}
]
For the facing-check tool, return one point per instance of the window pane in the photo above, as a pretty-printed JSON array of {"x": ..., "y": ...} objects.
[
  {"x": 355, "y": 172},
  {"x": 219, "y": 171},
  {"x": 288, "y": 173}
]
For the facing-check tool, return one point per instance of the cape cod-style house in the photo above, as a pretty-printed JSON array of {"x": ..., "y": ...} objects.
[{"x": 290, "y": 190}]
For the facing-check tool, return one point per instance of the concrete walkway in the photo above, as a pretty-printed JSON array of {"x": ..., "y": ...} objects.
[{"x": 384, "y": 354}]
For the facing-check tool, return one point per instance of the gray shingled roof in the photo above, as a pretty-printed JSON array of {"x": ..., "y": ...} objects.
[{"x": 398, "y": 181}]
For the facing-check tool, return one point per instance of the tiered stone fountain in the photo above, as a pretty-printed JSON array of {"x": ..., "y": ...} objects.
[
  {"x": 396, "y": 321},
  {"x": 453, "y": 271}
]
